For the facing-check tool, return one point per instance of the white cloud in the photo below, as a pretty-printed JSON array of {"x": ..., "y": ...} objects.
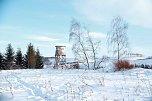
[
  {"x": 42, "y": 45},
  {"x": 63, "y": 44},
  {"x": 97, "y": 35},
  {"x": 4, "y": 42},
  {"x": 7, "y": 27},
  {"x": 42, "y": 38},
  {"x": 137, "y": 12}
]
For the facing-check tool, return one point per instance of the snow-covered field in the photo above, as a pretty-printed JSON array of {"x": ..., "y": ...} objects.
[{"x": 75, "y": 85}]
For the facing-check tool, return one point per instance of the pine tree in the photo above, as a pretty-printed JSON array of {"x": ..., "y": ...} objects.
[
  {"x": 39, "y": 61},
  {"x": 9, "y": 56},
  {"x": 31, "y": 57},
  {"x": 19, "y": 58},
  {"x": 2, "y": 62},
  {"x": 25, "y": 61}
]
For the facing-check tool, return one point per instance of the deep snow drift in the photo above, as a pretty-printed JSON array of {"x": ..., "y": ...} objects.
[{"x": 75, "y": 85}]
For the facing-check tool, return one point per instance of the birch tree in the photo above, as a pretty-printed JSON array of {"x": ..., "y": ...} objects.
[
  {"x": 84, "y": 47},
  {"x": 117, "y": 37}
]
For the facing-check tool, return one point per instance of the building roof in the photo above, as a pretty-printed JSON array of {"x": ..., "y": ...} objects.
[{"x": 60, "y": 46}]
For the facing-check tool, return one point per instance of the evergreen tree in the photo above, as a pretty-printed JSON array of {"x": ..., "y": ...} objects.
[
  {"x": 19, "y": 58},
  {"x": 25, "y": 62},
  {"x": 2, "y": 62},
  {"x": 31, "y": 57},
  {"x": 9, "y": 56},
  {"x": 39, "y": 61}
]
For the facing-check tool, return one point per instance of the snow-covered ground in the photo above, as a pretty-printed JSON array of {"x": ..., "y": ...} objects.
[{"x": 75, "y": 85}]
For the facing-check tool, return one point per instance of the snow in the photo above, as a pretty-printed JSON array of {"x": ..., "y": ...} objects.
[{"x": 75, "y": 85}]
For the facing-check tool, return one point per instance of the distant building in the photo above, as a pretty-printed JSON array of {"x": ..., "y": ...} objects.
[{"x": 135, "y": 55}]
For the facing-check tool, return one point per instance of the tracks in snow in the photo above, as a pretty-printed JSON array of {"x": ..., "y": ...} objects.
[{"x": 31, "y": 89}]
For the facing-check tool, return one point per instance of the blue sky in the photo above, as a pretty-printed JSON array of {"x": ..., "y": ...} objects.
[{"x": 46, "y": 23}]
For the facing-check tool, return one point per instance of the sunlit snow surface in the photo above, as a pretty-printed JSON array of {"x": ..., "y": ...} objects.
[{"x": 75, "y": 85}]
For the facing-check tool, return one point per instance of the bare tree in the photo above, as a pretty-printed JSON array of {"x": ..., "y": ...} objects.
[
  {"x": 117, "y": 37},
  {"x": 79, "y": 48},
  {"x": 94, "y": 46},
  {"x": 84, "y": 47}
]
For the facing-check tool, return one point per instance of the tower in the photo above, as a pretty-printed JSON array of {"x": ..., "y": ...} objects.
[{"x": 60, "y": 56}]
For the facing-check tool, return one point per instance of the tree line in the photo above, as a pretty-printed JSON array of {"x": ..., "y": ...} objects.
[{"x": 17, "y": 60}]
